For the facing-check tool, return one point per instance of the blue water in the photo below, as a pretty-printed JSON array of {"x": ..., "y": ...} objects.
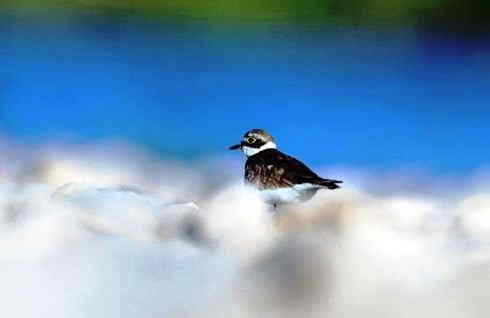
[{"x": 369, "y": 98}]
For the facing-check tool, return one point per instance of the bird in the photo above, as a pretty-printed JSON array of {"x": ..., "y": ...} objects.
[{"x": 280, "y": 178}]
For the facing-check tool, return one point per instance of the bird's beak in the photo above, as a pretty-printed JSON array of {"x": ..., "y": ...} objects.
[{"x": 235, "y": 147}]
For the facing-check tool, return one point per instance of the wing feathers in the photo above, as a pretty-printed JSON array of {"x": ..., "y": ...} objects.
[
  {"x": 271, "y": 169},
  {"x": 330, "y": 184}
]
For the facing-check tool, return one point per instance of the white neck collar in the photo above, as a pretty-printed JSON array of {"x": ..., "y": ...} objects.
[{"x": 249, "y": 151}]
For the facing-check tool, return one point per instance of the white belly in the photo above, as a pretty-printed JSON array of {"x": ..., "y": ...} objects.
[{"x": 295, "y": 194}]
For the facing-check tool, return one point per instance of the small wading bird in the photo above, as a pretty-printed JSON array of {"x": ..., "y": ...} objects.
[{"x": 279, "y": 177}]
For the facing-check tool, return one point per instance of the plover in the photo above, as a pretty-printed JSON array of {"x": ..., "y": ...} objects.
[{"x": 279, "y": 177}]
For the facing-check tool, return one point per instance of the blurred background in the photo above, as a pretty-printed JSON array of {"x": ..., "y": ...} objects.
[
  {"x": 119, "y": 198},
  {"x": 372, "y": 84}
]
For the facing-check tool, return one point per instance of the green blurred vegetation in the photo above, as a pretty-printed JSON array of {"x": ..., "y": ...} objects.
[{"x": 452, "y": 15}]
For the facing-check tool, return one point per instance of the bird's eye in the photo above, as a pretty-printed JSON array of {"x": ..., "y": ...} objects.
[{"x": 250, "y": 140}]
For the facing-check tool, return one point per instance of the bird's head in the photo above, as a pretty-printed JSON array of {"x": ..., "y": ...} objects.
[{"x": 254, "y": 141}]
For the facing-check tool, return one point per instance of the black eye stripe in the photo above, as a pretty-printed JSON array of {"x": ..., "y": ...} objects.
[{"x": 257, "y": 143}]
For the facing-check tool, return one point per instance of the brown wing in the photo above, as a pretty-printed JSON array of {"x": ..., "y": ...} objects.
[
  {"x": 266, "y": 176},
  {"x": 271, "y": 169}
]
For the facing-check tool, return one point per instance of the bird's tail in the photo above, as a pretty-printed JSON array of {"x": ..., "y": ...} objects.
[{"x": 329, "y": 183}]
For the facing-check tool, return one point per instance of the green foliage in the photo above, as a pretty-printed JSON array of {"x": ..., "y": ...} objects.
[{"x": 353, "y": 12}]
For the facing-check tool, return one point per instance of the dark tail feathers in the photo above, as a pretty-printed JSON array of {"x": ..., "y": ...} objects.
[{"x": 330, "y": 183}]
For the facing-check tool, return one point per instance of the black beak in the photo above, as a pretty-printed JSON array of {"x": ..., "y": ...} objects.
[{"x": 235, "y": 147}]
